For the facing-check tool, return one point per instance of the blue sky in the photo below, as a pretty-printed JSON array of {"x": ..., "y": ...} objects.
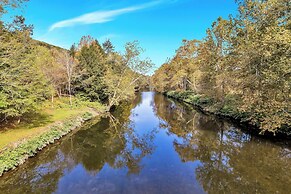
[{"x": 159, "y": 25}]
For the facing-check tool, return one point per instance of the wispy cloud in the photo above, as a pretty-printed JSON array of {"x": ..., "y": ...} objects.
[
  {"x": 108, "y": 36},
  {"x": 101, "y": 16}
]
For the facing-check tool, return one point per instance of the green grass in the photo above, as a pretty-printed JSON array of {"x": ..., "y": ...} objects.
[
  {"x": 12, "y": 157},
  {"x": 35, "y": 131},
  {"x": 36, "y": 124}
]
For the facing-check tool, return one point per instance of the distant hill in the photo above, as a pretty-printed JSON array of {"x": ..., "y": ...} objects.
[{"x": 47, "y": 45}]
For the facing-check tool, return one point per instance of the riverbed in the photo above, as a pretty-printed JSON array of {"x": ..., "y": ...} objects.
[{"x": 156, "y": 145}]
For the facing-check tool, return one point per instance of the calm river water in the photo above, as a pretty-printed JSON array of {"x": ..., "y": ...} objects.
[{"x": 156, "y": 145}]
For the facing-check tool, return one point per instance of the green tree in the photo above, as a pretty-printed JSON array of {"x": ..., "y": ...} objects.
[
  {"x": 89, "y": 80},
  {"x": 73, "y": 51},
  {"x": 124, "y": 72},
  {"x": 108, "y": 47},
  {"x": 23, "y": 86},
  {"x": 243, "y": 63}
]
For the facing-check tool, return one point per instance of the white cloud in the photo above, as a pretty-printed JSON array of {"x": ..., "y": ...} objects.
[
  {"x": 100, "y": 16},
  {"x": 108, "y": 36}
]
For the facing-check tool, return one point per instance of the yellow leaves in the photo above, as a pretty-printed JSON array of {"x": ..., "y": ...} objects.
[{"x": 248, "y": 56}]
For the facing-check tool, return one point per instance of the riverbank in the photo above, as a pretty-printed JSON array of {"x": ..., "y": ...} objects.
[
  {"x": 20, "y": 142},
  {"x": 226, "y": 111}
]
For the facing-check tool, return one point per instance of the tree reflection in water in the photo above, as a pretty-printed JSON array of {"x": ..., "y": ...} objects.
[
  {"x": 231, "y": 161},
  {"x": 111, "y": 142},
  {"x": 155, "y": 145}
]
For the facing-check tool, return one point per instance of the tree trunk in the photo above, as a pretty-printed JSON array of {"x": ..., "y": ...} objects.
[
  {"x": 52, "y": 100},
  {"x": 70, "y": 93}
]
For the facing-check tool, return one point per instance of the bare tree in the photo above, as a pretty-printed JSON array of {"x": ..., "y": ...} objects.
[{"x": 64, "y": 58}]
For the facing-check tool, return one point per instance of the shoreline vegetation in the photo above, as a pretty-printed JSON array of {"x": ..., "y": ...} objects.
[
  {"x": 208, "y": 105},
  {"x": 240, "y": 69},
  {"x": 47, "y": 91},
  {"x": 19, "y": 143}
]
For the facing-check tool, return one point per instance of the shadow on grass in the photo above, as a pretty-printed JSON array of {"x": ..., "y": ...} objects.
[{"x": 28, "y": 121}]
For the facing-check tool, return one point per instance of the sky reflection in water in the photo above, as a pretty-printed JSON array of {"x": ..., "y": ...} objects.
[{"x": 155, "y": 145}]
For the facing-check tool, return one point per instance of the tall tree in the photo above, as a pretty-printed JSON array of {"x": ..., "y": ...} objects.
[
  {"x": 108, "y": 46},
  {"x": 89, "y": 80},
  {"x": 23, "y": 86},
  {"x": 73, "y": 51},
  {"x": 262, "y": 51},
  {"x": 123, "y": 74},
  {"x": 8, "y": 4},
  {"x": 243, "y": 64},
  {"x": 67, "y": 62}
]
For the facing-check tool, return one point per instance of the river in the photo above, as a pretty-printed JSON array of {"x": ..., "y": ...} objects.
[{"x": 156, "y": 145}]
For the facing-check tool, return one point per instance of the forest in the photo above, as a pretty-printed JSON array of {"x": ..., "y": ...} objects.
[
  {"x": 34, "y": 73},
  {"x": 241, "y": 69},
  {"x": 99, "y": 117}
]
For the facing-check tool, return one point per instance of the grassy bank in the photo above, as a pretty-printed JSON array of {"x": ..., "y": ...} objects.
[
  {"x": 227, "y": 110},
  {"x": 19, "y": 142}
]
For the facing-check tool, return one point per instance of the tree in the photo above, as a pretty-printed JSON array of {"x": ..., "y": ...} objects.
[
  {"x": 23, "y": 86},
  {"x": 73, "y": 51},
  {"x": 66, "y": 61},
  {"x": 108, "y": 47},
  {"x": 8, "y": 4},
  {"x": 89, "y": 80},
  {"x": 55, "y": 73},
  {"x": 262, "y": 49},
  {"x": 243, "y": 64},
  {"x": 124, "y": 72}
]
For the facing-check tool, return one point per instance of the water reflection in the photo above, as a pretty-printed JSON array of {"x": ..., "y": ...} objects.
[
  {"x": 231, "y": 161},
  {"x": 155, "y": 145}
]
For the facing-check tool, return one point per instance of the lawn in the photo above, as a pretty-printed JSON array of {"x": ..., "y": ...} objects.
[{"x": 36, "y": 124}]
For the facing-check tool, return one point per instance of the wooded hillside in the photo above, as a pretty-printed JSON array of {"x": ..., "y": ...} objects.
[{"x": 241, "y": 67}]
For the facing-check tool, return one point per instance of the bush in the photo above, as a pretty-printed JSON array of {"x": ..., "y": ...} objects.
[{"x": 77, "y": 103}]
